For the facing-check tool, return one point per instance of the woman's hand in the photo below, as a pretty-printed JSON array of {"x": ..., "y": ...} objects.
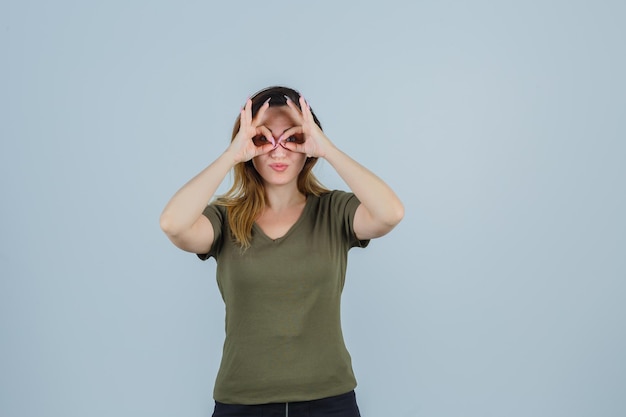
[
  {"x": 242, "y": 147},
  {"x": 306, "y": 137}
]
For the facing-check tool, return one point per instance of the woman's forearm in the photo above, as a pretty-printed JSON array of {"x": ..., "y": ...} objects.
[
  {"x": 187, "y": 205},
  {"x": 379, "y": 199}
]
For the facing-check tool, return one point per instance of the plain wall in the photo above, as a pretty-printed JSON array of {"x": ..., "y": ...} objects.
[{"x": 499, "y": 123}]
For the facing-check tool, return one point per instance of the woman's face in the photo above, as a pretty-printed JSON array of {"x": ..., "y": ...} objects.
[{"x": 280, "y": 166}]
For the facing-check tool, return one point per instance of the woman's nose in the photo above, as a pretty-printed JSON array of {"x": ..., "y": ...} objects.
[{"x": 278, "y": 152}]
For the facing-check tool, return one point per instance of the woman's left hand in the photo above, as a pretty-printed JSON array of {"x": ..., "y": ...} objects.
[{"x": 315, "y": 144}]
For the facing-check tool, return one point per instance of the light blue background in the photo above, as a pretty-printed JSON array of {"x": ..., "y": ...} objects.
[{"x": 499, "y": 123}]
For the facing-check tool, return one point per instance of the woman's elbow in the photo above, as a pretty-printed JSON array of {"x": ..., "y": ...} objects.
[
  {"x": 391, "y": 219},
  {"x": 168, "y": 225},
  {"x": 395, "y": 215}
]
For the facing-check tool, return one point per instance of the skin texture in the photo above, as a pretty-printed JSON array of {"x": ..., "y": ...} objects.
[
  {"x": 278, "y": 161},
  {"x": 279, "y": 120},
  {"x": 279, "y": 169}
]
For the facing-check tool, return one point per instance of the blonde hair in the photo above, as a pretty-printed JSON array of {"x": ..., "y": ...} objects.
[{"x": 245, "y": 200}]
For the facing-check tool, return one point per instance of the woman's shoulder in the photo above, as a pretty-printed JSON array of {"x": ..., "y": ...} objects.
[
  {"x": 215, "y": 210},
  {"x": 336, "y": 200},
  {"x": 336, "y": 196}
]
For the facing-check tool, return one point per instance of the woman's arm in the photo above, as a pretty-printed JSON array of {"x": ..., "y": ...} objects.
[
  {"x": 381, "y": 209},
  {"x": 182, "y": 219}
]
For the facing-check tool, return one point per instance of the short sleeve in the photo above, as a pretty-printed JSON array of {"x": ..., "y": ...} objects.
[
  {"x": 344, "y": 205},
  {"x": 217, "y": 216}
]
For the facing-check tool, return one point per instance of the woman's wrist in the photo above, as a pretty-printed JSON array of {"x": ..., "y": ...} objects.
[
  {"x": 331, "y": 153},
  {"x": 229, "y": 156}
]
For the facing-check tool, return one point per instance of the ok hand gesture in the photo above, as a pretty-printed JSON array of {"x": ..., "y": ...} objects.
[
  {"x": 243, "y": 146},
  {"x": 306, "y": 137}
]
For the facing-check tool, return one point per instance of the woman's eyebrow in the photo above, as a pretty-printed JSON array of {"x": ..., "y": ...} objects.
[{"x": 283, "y": 130}]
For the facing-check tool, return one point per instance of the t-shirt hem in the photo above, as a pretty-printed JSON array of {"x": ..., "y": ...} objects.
[{"x": 295, "y": 397}]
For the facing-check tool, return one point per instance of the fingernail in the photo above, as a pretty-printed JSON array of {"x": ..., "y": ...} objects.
[{"x": 267, "y": 101}]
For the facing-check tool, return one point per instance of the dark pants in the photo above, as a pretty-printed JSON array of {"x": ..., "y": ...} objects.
[{"x": 343, "y": 405}]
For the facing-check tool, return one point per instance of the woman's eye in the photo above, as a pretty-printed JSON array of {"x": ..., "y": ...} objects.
[
  {"x": 259, "y": 140},
  {"x": 297, "y": 138}
]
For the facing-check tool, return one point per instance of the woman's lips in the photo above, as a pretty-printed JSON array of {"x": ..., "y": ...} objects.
[{"x": 279, "y": 167}]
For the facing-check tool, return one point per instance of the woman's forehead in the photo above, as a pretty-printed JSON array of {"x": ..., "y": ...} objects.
[{"x": 279, "y": 115}]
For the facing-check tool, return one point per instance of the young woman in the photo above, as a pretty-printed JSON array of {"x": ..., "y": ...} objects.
[{"x": 280, "y": 240}]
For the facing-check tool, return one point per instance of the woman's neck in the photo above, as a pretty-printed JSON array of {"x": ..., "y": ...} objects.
[{"x": 279, "y": 198}]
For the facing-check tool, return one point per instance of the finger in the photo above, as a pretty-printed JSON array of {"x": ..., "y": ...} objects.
[
  {"x": 306, "y": 109},
  {"x": 262, "y": 110},
  {"x": 263, "y": 130},
  {"x": 246, "y": 113},
  {"x": 263, "y": 149},
  {"x": 294, "y": 147},
  {"x": 296, "y": 130},
  {"x": 294, "y": 140},
  {"x": 295, "y": 111}
]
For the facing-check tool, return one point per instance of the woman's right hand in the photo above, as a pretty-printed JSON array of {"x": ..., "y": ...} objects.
[{"x": 242, "y": 146}]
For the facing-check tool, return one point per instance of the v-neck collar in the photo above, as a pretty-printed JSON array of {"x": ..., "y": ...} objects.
[{"x": 294, "y": 226}]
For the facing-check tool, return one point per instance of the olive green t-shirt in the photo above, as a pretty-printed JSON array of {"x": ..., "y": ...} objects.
[{"x": 283, "y": 329}]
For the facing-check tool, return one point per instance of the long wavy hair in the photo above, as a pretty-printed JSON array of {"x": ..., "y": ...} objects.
[{"x": 246, "y": 198}]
